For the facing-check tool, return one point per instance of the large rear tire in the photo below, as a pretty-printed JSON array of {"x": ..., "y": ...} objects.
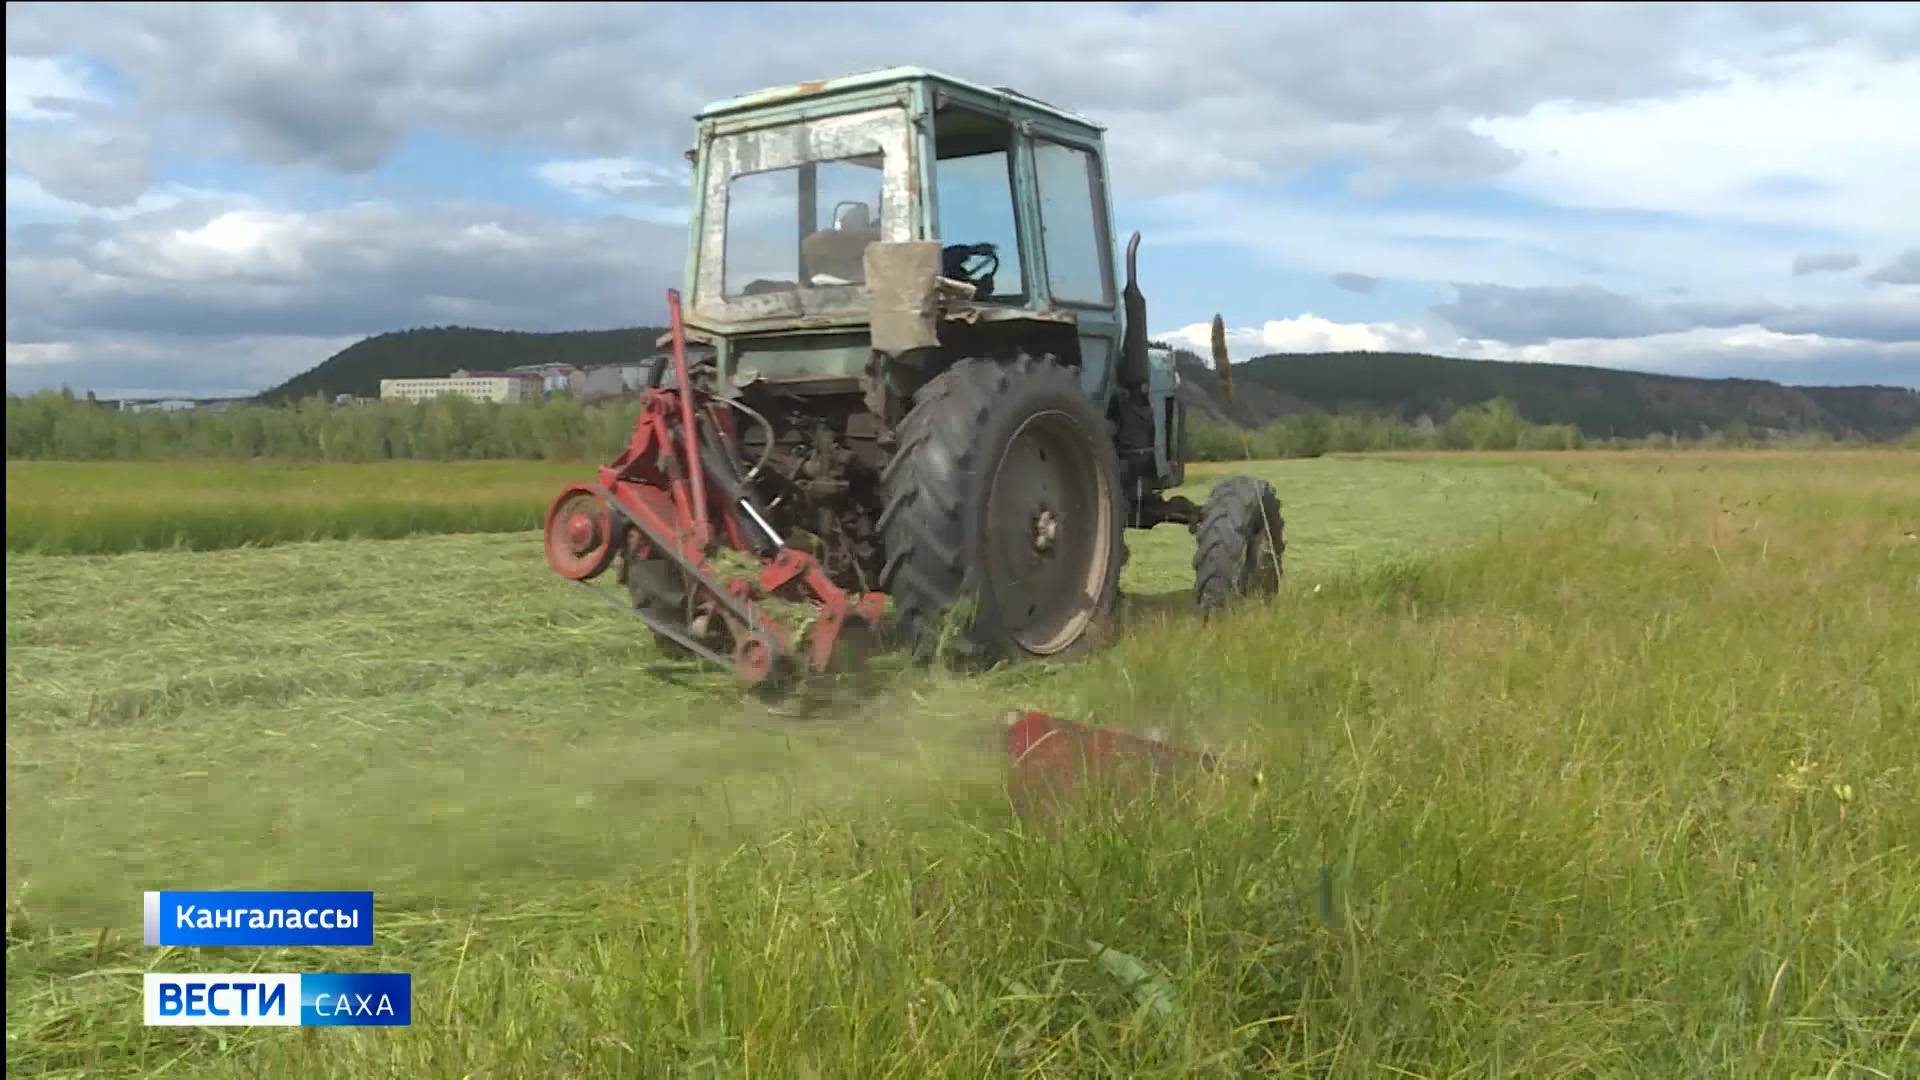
[
  {"x": 1238, "y": 544},
  {"x": 1004, "y": 491}
]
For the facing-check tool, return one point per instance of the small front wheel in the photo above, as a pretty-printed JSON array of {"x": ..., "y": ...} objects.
[{"x": 1238, "y": 543}]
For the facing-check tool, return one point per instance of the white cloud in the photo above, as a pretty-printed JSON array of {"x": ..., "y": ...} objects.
[
  {"x": 39, "y": 353},
  {"x": 1796, "y": 122},
  {"x": 140, "y": 366},
  {"x": 611, "y": 176},
  {"x": 1904, "y": 269},
  {"x": 30, "y": 202},
  {"x": 1825, "y": 141},
  {"x": 1749, "y": 350},
  {"x": 45, "y": 87},
  {"x": 634, "y": 186},
  {"x": 111, "y": 303},
  {"x": 566, "y": 74},
  {"x": 1303, "y": 333}
]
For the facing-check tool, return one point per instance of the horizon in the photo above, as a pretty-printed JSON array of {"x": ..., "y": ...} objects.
[
  {"x": 1714, "y": 191},
  {"x": 148, "y": 395}
]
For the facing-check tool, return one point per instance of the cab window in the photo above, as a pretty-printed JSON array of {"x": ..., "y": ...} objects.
[
  {"x": 1073, "y": 224},
  {"x": 974, "y": 187}
]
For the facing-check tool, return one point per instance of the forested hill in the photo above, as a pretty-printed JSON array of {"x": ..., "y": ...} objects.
[
  {"x": 435, "y": 351},
  {"x": 1601, "y": 402}
]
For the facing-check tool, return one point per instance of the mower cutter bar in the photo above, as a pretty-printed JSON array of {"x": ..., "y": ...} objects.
[
  {"x": 662, "y": 627},
  {"x": 740, "y": 609}
]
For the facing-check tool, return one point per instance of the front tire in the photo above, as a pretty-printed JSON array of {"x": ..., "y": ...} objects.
[
  {"x": 1004, "y": 491},
  {"x": 1238, "y": 543}
]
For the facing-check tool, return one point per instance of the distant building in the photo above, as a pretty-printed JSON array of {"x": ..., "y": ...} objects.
[
  {"x": 554, "y": 377},
  {"x": 477, "y": 385},
  {"x": 617, "y": 380},
  {"x": 608, "y": 380}
]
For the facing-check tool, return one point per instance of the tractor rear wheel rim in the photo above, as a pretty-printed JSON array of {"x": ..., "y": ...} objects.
[{"x": 1049, "y": 525}]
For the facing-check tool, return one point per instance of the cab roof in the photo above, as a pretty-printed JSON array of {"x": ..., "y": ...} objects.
[{"x": 883, "y": 77}]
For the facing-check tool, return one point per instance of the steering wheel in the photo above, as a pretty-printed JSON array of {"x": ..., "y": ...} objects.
[{"x": 960, "y": 261}]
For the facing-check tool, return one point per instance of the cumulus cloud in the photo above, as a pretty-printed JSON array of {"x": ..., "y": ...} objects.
[
  {"x": 65, "y": 138},
  {"x": 1816, "y": 262},
  {"x": 1530, "y": 316},
  {"x": 1719, "y": 313},
  {"x": 1642, "y": 118},
  {"x": 1746, "y": 351},
  {"x": 134, "y": 365},
  {"x": 1302, "y": 333},
  {"x": 1896, "y": 320},
  {"x": 1536, "y": 316},
  {"x": 173, "y": 281},
  {"x": 599, "y": 78},
  {"x": 1813, "y": 139},
  {"x": 622, "y": 177},
  {"x": 644, "y": 189},
  {"x": 90, "y": 166},
  {"x": 1903, "y": 270},
  {"x": 46, "y": 87}
]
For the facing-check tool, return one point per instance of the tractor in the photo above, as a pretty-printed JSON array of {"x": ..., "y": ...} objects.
[{"x": 902, "y": 370}]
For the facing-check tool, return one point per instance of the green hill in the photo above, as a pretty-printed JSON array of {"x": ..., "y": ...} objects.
[
  {"x": 435, "y": 351},
  {"x": 1601, "y": 402}
]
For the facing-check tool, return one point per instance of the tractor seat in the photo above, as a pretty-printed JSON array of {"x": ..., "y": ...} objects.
[{"x": 838, "y": 253}]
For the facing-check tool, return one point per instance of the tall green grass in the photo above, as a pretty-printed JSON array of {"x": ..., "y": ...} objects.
[
  {"x": 1623, "y": 790},
  {"x": 99, "y": 508}
]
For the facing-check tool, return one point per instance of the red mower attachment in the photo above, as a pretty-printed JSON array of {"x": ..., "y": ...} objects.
[
  {"x": 1049, "y": 758},
  {"x": 675, "y": 494}
]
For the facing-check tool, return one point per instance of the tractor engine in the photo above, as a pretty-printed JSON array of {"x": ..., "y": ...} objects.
[{"x": 821, "y": 482}]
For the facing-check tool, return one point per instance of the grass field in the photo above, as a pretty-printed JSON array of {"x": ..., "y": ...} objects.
[
  {"x": 1610, "y": 775},
  {"x": 107, "y": 507}
]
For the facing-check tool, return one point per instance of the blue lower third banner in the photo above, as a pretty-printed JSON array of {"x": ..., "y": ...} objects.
[
  {"x": 256, "y": 1000},
  {"x": 259, "y": 918}
]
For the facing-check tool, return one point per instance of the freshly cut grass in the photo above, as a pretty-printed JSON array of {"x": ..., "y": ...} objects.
[
  {"x": 106, "y": 507},
  {"x": 1622, "y": 787}
]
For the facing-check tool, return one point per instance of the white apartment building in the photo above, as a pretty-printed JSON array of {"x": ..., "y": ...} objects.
[{"x": 478, "y": 385}]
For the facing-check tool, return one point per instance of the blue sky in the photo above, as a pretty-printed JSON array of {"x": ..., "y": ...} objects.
[{"x": 209, "y": 198}]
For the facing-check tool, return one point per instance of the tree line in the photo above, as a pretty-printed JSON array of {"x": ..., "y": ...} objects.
[
  {"x": 55, "y": 425},
  {"x": 1490, "y": 425}
]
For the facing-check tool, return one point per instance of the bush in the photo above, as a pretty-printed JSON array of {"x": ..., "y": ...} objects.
[
  {"x": 55, "y": 425},
  {"x": 1491, "y": 425}
]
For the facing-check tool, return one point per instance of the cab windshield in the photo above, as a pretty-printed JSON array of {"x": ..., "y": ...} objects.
[
  {"x": 787, "y": 212},
  {"x": 807, "y": 224}
]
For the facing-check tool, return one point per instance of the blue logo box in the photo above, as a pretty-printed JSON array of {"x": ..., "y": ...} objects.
[
  {"x": 254, "y": 999},
  {"x": 383, "y": 1000},
  {"x": 259, "y": 918}
]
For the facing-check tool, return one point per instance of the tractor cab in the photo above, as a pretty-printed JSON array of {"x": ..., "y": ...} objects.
[{"x": 984, "y": 212}]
